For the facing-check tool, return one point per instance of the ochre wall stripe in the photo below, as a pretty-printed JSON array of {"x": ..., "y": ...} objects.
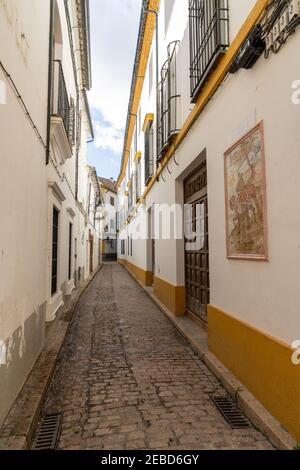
[{"x": 260, "y": 362}]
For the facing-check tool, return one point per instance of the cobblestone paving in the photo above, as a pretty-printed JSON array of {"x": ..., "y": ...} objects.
[{"x": 127, "y": 380}]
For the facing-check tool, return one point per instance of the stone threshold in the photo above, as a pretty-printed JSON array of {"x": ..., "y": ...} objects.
[
  {"x": 18, "y": 428},
  {"x": 196, "y": 336}
]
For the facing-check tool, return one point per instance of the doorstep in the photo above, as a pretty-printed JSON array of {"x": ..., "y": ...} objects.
[
  {"x": 251, "y": 407},
  {"x": 19, "y": 426}
]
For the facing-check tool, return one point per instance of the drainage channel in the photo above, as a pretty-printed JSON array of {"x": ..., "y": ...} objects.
[
  {"x": 230, "y": 412},
  {"x": 48, "y": 433}
]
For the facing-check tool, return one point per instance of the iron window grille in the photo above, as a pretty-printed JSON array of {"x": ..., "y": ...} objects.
[
  {"x": 138, "y": 180},
  {"x": 209, "y": 38},
  {"x": 167, "y": 101},
  {"x": 60, "y": 100},
  {"x": 130, "y": 199},
  {"x": 149, "y": 151}
]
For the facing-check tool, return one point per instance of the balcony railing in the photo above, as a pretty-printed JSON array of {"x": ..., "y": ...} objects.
[
  {"x": 167, "y": 100},
  {"x": 209, "y": 37},
  {"x": 60, "y": 99}
]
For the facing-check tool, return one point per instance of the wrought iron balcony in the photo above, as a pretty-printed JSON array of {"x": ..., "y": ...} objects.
[
  {"x": 209, "y": 38},
  {"x": 167, "y": 99},
  {"x": 60, "y": 99}
]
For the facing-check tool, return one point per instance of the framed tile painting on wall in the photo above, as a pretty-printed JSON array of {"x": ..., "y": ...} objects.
[{"x": 245, "y": 198}]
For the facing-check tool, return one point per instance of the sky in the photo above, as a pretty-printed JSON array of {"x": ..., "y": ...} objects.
[{"x": 114, "y": 31}]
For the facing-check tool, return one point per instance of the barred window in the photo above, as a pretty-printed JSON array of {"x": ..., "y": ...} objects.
[
  {"x": 138, "y": 179},
  {"x": 209, "y": 38},
  {"x": 167, "y": 101},
  {"x": 130, "y": 196},
  {"x": 149, "y": 151}
]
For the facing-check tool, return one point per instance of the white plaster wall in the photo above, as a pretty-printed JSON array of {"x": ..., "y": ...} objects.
[
  {"x": 238, "y": 11},
  {"x": 23, "y": 189},
  {"x": 264, "y": 294}
]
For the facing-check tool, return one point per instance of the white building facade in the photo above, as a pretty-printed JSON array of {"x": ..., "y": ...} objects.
[
  {"x": 214, "y": 129},
  {"x": 49, "y": 196},
  {"x": 108, "y": 219}
]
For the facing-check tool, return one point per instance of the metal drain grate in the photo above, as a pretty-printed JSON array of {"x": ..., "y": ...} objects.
[
  {"x": 48, "y": 433},
  {"x": 230, "y": 412}
]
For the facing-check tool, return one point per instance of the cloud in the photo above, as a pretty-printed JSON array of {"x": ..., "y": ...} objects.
[
  {"x": 114, "y": 30},
  {"x": 108, "y": 137},
  {"x": 114, "y": 26}
]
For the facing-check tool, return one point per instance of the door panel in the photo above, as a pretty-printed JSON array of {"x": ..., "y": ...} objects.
[{"x": 197, "y": 244}]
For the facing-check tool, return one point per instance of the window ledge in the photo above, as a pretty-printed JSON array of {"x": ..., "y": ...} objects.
[
  {"x": 53, "y": 306},
  {"x": 59, "y": 139}
]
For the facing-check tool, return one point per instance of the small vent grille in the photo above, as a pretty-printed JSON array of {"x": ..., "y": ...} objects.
[
  {"x": 230, "y": 412},
  {"x": 48, "y": 433}
]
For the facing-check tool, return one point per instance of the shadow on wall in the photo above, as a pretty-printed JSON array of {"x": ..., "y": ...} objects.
[{"x": 22, "y": 351}]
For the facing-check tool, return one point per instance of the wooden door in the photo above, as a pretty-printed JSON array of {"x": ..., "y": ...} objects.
[{"x": 197, "y": 244}]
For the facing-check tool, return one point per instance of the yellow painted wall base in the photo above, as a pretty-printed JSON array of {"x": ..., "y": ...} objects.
[
  {"x": 173, "y": 297},
  {"x": 122, "y": 261},
  {"x": 145, "y": 277},
  {"x": 259, "y": 361}
]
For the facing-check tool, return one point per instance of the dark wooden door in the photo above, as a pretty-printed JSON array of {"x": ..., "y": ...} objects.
[{"x": 197, "y": 244}]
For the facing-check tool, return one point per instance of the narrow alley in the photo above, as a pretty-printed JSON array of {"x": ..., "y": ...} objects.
[{"x": 127, "y": 380}]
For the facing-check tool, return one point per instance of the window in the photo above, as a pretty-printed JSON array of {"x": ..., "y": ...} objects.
[
  {"x": 149, "y": 151},
  {"x": 112, "y": 224},
  {"x": 209, "y": 37},
  {"x": 138, "y": 179},
  {"x": 60, "y": 98},
  {"x": 122, "y": 247},
  {"x": 131, "y": 244},
  {"x": 55, "y": 221},
  {"x": 112, "y": 201},
  {"x": 167, "y": 99},
  {"x": 128, "y": 246},
  {"x": 70, "y": 250},
  {"x": 169, "y": 5},
  {"x": 130, "y": 199}
]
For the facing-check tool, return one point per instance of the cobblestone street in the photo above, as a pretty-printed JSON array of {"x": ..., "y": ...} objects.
[{"x": 127, "y": 380}]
